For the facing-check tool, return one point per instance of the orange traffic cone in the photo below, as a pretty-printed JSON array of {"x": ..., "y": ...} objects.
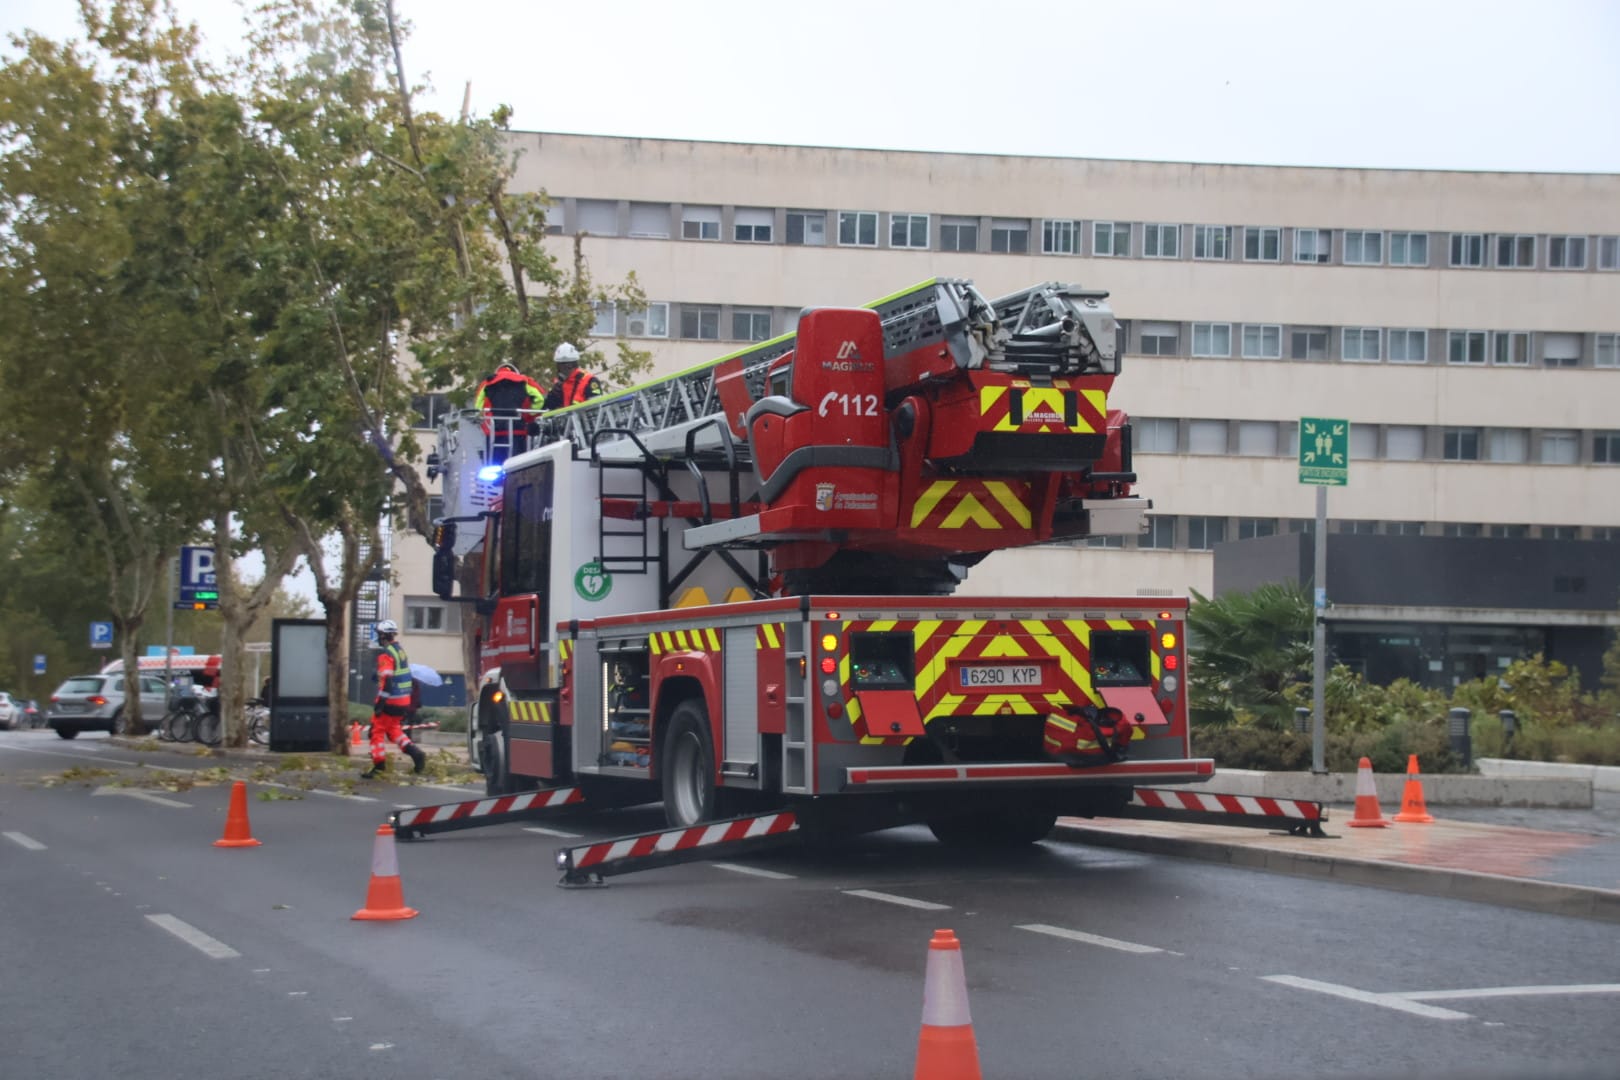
[
  {"x": 946, "y": 1049},
  {"x": 385, "y": 898},
  {"x": 1367, "y": 815},
  {"x": 354, "y": 734},
  {"x": 1412, "y": 808},
  {"x": 237, "y": 833}
]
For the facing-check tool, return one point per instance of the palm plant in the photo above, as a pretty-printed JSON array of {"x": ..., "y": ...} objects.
[{"x": 1244, "y": 650}]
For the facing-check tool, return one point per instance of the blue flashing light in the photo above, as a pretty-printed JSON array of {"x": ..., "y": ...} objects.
[{"x": 490, "y": 473}]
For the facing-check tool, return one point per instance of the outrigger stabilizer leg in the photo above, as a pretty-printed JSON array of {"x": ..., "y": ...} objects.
[
  {"x": 417, "y": 821},
  {"x": 588, "y": 864}
]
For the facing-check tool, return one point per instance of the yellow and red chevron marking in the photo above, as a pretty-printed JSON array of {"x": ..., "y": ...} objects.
[
  {"x": 565, "y": 648},
  {"x": 696, "y": 640},
  {"x": 1065, "y": 644},
  {"x": 972, "y": 504},
  {"x": 533, "y": 712},
  {"x": 1042, "y": 408},
  {"x": 768, "y": 636}
]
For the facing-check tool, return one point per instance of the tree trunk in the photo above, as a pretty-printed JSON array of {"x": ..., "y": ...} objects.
[{"x": 337, "y": 675}]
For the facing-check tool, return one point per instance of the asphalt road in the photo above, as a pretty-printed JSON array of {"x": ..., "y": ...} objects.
[{"x": 130, "y": 945}]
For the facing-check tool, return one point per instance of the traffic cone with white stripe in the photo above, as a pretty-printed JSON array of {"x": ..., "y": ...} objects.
[
  {"x": 1413, "y": 808},
  {"x": 946, "y": 1049},
  {"x": 385, "y": 897},
  {"x": 1367, "y": 815}
]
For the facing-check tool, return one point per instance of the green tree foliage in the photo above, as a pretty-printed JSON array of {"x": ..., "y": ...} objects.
[{"x": 1244, "y": 651}]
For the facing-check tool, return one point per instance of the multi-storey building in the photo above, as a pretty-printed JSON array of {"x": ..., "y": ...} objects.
[{"x": 1467, "y": 324}]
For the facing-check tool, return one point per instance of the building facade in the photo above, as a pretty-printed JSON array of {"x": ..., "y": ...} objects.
[{"x": 1466, "y": 324}]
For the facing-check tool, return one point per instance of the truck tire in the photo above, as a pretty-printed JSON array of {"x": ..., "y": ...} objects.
[{"x": 686, "y": 767}]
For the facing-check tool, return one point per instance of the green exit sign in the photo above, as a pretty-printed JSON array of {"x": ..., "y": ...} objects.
[
  {"x": 1324, "y": 451},
  {"x": 201, "y": 595}
]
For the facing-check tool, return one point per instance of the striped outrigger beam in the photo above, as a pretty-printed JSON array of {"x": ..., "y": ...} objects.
[
  {"x": 588, "y": 863},
  {"x": 1297, "y": 815},
  {"x": 418, "y": 821}
]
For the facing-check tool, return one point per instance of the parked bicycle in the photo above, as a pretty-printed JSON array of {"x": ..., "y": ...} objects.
[
  {"x": 258, "y": 721},
  {"x": 189, "y": 717}
]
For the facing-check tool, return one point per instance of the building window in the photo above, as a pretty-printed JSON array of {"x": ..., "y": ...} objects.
[
  {"x": 1160, "y": 534},
  {"x": 1559, "y": 448},
  {"x": 1363, "y": 442},
  {"x": 1509, "y": 532},
  {"x": 1468, "y": 531},
  {"x": 1467, "y": 249},
  {"x": 857, "y": 228},
  {"x": 606, "y": 324},
  {"x": 1261, "y": 243},
  {"x": 1262, "y": 342},
  {"x": 958, "y": 234},
  {"x": 435, "y": 507},
  {"x": 1212, "y": 339},
  {"x": 429, "y": 409},
  {"x": 1212, "y": 241},
  {"x": 700, "y": 223},
  {"x": 1105, "y": 541},
  {"x": 1512, "y": 347},
  {"x": 1465, "y": 347},
  {"x": 1204, "y": 533},
  {"x": 1408, "y": 249},
  {"x": 425, "y": 615},
  {"x": 1308, "y": 343},
  {"x": 1606, "y": 351},
  {"x": 1403, "y": 442},
  {"x": 1161, "y": 241},
  {"x": 1257, "y": 438},
  {"x": 1403, "y": 528},
  {"x": 1302, "y": 525},
  {"x": 752, "y": 226},
  {"x": 1606, "y": 447},
  {"x": 700, "y": 323},
  {"x": 1361, "y": 343},
  {"x": 649, "y": 221},
  {"x": 1409, "y": 346},
  {"x": 1362, "y": 248},
  {"x": 1060, "y": 238},
  {"x": 807, "y": 228},
  {"x": 1461, "y": 444},
  {"x": 750, "y": 325},
  {"x": 1358, "y": 528},
  {"x": 1515, "y": 252},
  {"x": 1009, "y": 237},
  {"x": 1608, "y": 252},
  {"x": 1561, "y": 350},
  {"x": 1560, "y": 532},
  {"x": 1250, "y": 528},
  {"x": 650, "y": 321},
  {"x": 1206, "y": 436},
  {"x": 1154, "y": 436},
  {"x": 1566, "y": 253},
  {"x": 908, "y": 230},
  {"x": 1313, "y": 245},
  {"x": 1111, "y": 239},
  {"x": 1509, "y": 446},
  {"x": 1161, "y": 338},
  {"x": 598, "y": 217}
]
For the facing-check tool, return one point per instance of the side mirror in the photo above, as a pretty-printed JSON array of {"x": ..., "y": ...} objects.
[{"x": 444, "y": 573}]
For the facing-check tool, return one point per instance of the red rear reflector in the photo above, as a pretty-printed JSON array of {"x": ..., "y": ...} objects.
[
  {"x": 835, "y": 710},
  {"x": 1171, "y": 662}
]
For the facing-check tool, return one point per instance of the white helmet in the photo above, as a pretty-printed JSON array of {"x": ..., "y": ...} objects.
[
  {"x": 565, "y": 354},
  {"x": 388, "y": 628}
]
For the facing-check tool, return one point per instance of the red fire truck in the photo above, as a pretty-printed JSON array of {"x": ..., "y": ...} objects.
[{"x": 732, "y": 589}]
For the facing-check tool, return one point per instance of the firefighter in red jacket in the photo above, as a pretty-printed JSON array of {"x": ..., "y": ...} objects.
[
  {"x": 511, "y": 403},
  {"x": 574, "y": 384},
  {"x": 394, "y": 690}
]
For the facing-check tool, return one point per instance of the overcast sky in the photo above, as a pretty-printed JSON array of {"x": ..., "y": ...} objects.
[{"x": 1412, "y": 84}]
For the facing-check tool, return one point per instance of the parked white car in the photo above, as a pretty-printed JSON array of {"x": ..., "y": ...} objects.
[
  {"x": 96, "y": 703},
  {"x": 10, "y": 712}
]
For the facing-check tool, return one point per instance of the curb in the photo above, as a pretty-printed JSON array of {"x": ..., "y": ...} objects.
[{"x": 1551, "y": 898}]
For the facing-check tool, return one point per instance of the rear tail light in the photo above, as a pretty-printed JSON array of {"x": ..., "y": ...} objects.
[{"x": 97, "y": 699}]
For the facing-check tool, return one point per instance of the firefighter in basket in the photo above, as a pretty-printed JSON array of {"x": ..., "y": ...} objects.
[{"x": 394, "y": 693}]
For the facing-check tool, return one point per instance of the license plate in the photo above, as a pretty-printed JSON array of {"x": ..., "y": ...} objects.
[{"x": 992, "y": 676}]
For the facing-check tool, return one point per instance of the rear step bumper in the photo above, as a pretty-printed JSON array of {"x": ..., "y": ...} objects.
[{"x": 1039, "y": 773}]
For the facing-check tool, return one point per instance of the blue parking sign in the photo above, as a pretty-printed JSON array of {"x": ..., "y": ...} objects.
[
  {"x": 101, "y": 635},
  {"x": 39, "y": 663}
]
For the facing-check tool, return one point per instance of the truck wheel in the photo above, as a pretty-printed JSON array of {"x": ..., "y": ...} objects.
[
  {"x": 1014, "y": 826},
  {"x": 492, "y": 759},
  {"x": 687, "y": 767}
]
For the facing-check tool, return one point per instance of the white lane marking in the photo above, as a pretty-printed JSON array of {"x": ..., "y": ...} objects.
[
  {"x": 382, "y": 1046},
  {"x": 298, "y": 993},
  {"x": 903, "y": 901},
  {"x": 1387, "y": 1001},
  {"x": 315, "y": 791},
  {"x": 23, "y": 840},
  {"x": 1088, "y": 939},
  {"x": 459, "y": 789},
  {"x": 543, "y": 831},
  {"x": 79, "y": 756},
  {"x": 738, "y": 868},
  {"x": 194, "y": 937},
  {"x": 1508, "y": 991},
  {"x": 144, "y": 796}
]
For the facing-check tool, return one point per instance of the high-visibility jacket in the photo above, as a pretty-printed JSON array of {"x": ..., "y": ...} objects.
[
  {"x": 508, "y": 394},
  {"x": 580, "y": 386},
  {"x": 394, "y": 676}
]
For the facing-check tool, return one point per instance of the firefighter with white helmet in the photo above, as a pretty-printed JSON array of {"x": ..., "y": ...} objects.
[
  {"x": 393, "y": 703},
  {"x": 574, "y": 384}
]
